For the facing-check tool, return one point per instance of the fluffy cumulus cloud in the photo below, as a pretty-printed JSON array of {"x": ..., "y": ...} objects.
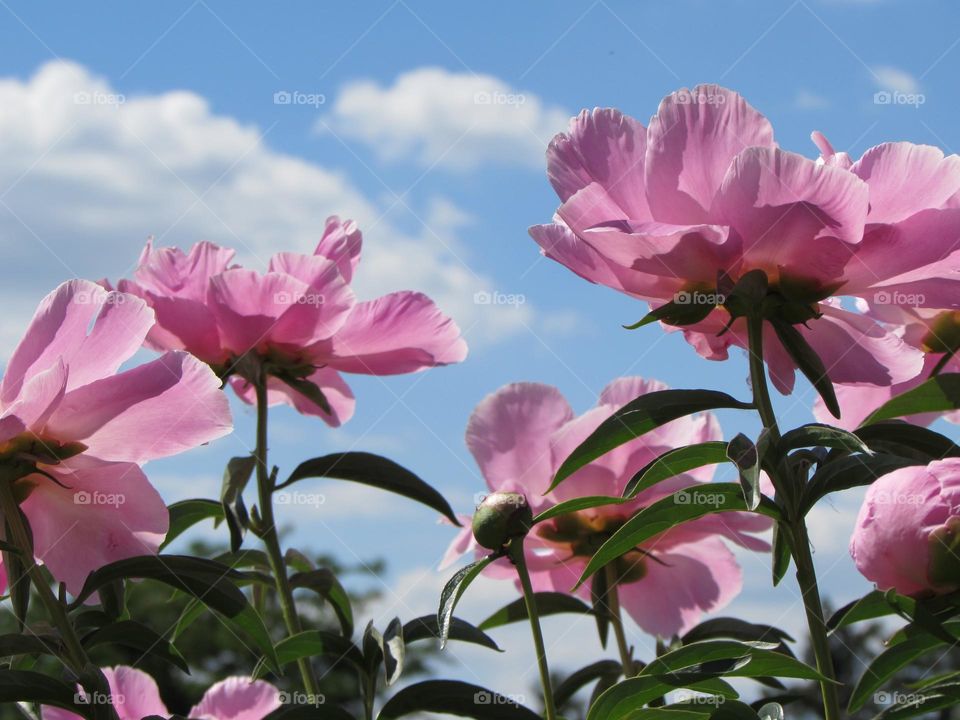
[
  {"x": 895, "y": 80},
  {"x": 88, "y": 174},
  {"x": 457, "y": 120}
]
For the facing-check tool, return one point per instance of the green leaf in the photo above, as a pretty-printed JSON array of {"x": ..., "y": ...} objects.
[
  {"x": 763, "y": 661},
  {"x": 678, "y": 314},
  {"x": 572, "y": 684},
  {"x": 626, "y": 699},
  {"x": 33, "y": 687},
  {"x": 454, "y": 698},
  {"x": 452, "y": 593},
  {"x": 18, "y": 582},
  {"x": 808, "y": 362},
  {"x": 376, "y": 471},
  {"x": 923, "y": 703},
  {"x": 426, "y": 627},
  {"x": 938, "y": 394},
  {"x": 890, "y": 661},
  {"x": 733, "y": 628},
  {"x": 676, "y": 462},
  {"x": 313, "y": 643},
  {"x": 577, "y": 504},
  {"x": 323, "y": 711},
  {"x": 309, "y": 390},
  {"x": 848, "y": 472},
  {"x": 548, "y": 603},
  {"x": 897, "y": 437},
  {"x": 820, "y": 435},
  {"x": 394, "y": 650},
  {"x": 744, "y": 454},
  {"x": 323, "y": 582},
  {"x": 187, "y": 513},
  {"x": 235, "y": 478},
  {"x": 16, "y": 644},
  {"x": 599, "y": 590},
  {"x": 781, "y": 555},
  {"x": 640, "y": 416},
  {"x": 871, "y": 606},
  {"x": 134, "y": 635},
  {"x": 680, "y": 507},
  {"x": 208, "y": 581}
]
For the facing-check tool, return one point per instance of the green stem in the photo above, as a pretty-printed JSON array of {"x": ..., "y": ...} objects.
[
  {"x": 795, "y": 526},
  {"x": 271, "y": 540},
  {"x": 942, "y": 363},
  {"x": 516, "y": 556},
  {"x": 612, "y": 603}
]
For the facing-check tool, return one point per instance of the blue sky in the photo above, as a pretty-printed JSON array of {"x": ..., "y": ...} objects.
[{"x": 119, "y": 120}]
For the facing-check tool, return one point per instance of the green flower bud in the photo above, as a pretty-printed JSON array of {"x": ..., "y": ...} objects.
[{"x": 501, "y": 517}]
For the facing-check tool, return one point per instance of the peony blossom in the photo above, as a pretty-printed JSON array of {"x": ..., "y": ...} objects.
[
  {"x": 906, "y": 535},
  {"x": 74, "y": 430},
  {"x": 300, "y": 319},
  {"x": 934, "y": 333},
  {"x": 135, "y": 695},
  {"x": 677, "y": 212},
  {"x": 519, "y": 436}
]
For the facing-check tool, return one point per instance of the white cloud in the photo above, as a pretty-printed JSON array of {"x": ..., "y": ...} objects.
[
  {"x": 88, "y": 174},
  {"x": 806, "y": 100},
  {"x": 438, "y": 117},
  {"x": 895, "y": 80}
]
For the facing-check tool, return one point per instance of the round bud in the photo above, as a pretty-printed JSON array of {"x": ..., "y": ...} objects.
[{"x": 501, "y": 517}]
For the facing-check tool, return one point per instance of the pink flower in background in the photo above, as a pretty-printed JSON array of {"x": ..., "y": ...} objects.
[
  {"x": 661, "y": 212},
  {"x": 520, "y": 434},
  {"x": 135, "y": 695},
  {"x": 928, "y": 330},
  {"x": 74, "y": 430},
  {"x": 906, "y": 535},
  {"x": 301, "y": 317}
]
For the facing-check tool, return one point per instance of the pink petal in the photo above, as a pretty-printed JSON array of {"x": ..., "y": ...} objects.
[
  {"x": 607, "y": 147},
  {"x": 341, "y": 242},
  {"x": 693, "y": 579},
  {"x": 169, "y": 272},
  {"x": 158, "y": 409},
  {"x": 256, "y": 311},
  {"x": 509, "y": 433},
  {"x": 41, "y": 396},
  {"x": 889, "y": 544},
  {"x": 237, "y": 698},
  {"x": 905, "y": 178},
  {"x": 61, "y": 331},
  {"x": 788, "y": 209},
  {"x": 134, "y": 694},
  {"x": 334, "y": 388},
  {"x": 105, "y": 512},
  {"x": 398, "y": 333},
  {"x": 462, "y": 544},
  {"x": 691, "y": 142}
]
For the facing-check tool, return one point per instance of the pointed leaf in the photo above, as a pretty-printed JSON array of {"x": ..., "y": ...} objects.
[
  {"x": 764, "y": 661},
  {"x": 235, "y": 478},
  {"x": 938, "y": 394},
  {"x": 187, "y": 513},
  {"x": 819, "y": 435},
  {"x": 323, "y": 582},
  {"x": 847, "y": 472},
  {"x": 897, "y": 437},
  {"x": 33, "y": 687},
  {"x": 548, "y": 603},
  {"x": 809, "y": 363},
  {"x": 313, "y": 643},
  {"x": 394, "y": 650},
  {"x": 133, "y": 635},
  {"x": 454, "y": 698},
  {"x": 426, "y": 627},
  {"x": 743, "y": 453},
  {"x": 572, "y": 684},
  {"x": 640, "y": 416},
  {"x": 676, "y": 462},
  {"x": 452, "y": 592},
  {"x": 376, "y": 471},
  {"x": 629, "y": 697}
]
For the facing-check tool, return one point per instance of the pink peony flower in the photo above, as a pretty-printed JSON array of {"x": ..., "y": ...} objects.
[
  {"x": 930, "y": 331},
  {"x": 74, "y": 430},
  {"x": 300, "y": 317},
  {"x": 135, "y": 695},
  {"x": 519, "y": 436},
  {"x": 906, "y": 536},
  {"x": 677, "y": 211}
]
